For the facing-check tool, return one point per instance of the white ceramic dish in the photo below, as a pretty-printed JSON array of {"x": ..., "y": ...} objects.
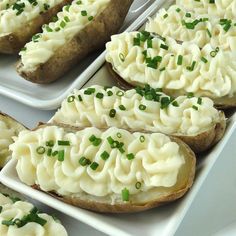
[
  {"x": 160, "y": 221},
  {"x": 48, "y": 97}
]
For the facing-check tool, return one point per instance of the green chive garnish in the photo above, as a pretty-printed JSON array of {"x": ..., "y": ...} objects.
[
  {"x": 120, "y": 93},
  {"x": 94, "y": 165},
  {"x": 49, "y": 152},
  {"x": 90, "y": 18},
  {"x": 199, "y": 101},
  {"x": 50, "y": 143},
  {"x": 83, "y": 161},
  {"x": 109, "y": 93},
  {"x": 130, "y": 156},
  {"x": 63, "y": 143},
  {"x": 71, "y": 99},
  {"x": 175, "y": 103},
  {"x": 138, "y": 185},
  {"x": 122, "y": 57},
  {"x": 99, "y": 95},
  {"x": 195, "y": 107},
  {"x": 105, "y": 155},
  {"x": 180, "y": 60},
  {"x": 80, "y": 98},
  {"x": 40, "y": 150},
  {"x": 61, "y": 155},
  {"x": 112, "y": 113},
  {"x": 84, "y": 13},
  {"x": 204, "y": 59},
  {"x": 122, "y": 107},
  {"x": 165, "y": 47},
  {"x": 142, "y": 138},
  {"x": 125, "y": 195},
  {"x": 142, "y": 107},
  {"x": 190, "y": 95},
  {"x": 118, "y": 135},
  {"x": 89, "y": 91}
]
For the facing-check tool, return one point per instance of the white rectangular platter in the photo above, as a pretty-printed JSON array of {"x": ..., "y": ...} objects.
[
  {"x": 48, "y": 97},
  {"x": 160, "y": 221}
]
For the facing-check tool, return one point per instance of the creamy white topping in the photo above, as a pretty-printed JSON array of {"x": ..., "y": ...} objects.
[
  {"x": 72, "y": 19},
  {"x": 5, "y": 4},
  {"x": 6, "y": 134},
  {"x": 179, "y": 117},
  {"x": 177, "y": 23},
  {"x": 205, "y": 72},
  {"x": 220, "y": 8},
  {"x": 19, "y": 209},
  {"x": 22, "y": 12},
  {"x": 153, "y": 160}
]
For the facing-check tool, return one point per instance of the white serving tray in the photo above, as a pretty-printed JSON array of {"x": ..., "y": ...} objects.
[
  {"x": 164, "y": 220},
  {"x": 48, "y": 97}
]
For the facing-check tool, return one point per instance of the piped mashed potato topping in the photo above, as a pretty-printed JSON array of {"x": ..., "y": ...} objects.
[
  {"x": 68, "y": 23},
  {"x": 94, "y": 162},
  {"x": 6, "y": 134},
  {"x": 17, "y": 13},
  {"x": 20, "y": 218},
  {"x": 137, "y": 109},
  {"x": 5, "y": 4},
  {"x": 214, "y": 8},
  {"x": 183, "y": 25},
  {"x": 144, "y": 58}
]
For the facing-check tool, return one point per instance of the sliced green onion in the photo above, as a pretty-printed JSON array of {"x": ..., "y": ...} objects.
[
  {"x": 84, "y": 13},
  {"x": 142, "y": 138},
  {"x": 122, "y": 57},
  {"x": 99, "y": 95},
  {"x": 178, "y": 9},
  {"x": 162, "y": 69},
  {"x": 62, "y": 24},
  {"x": 109, "y": 93},
  {"x": 66, "y": 18},
  {"x": 188, "y": 14},
  {"x": 138, "y": 185},
  {"x": 195, "y": 107},
  {"x": 165, "y": 47},
  {"x": 40, "y": 150},
  {"x": 50, "y": 143},
  {"x": 199, "y": 101},
  {"x": 120, "y": 93},
  {"x": 105, "y": 155},
  {"x": 136, "y": 42},
  {"x": 80, "y": 98},
  {"x": 125, "y": 195},
  {"x": 54, "y": 153},
  {"x": 149, "y": 43},
  {"x": 83, "y": 161},
  {"x": 1, "y": 209},
  {"x": 213, "y": 53},
  {"x": 71, "y": 99},
  {"x": 180, "y": 60},
  {"x": 90, "y": 18},
  {"x": 142, "y": 107},
  {"x": 49, "y": 152},
  {"x": 8, "y": 222},
  {"x": 94, "y": 165},
  {"x": 79, "y": 2},
  {"x": 112, "y": 113},
  {"x": 122, "y": 107},
  {"x": 209, "y": 33},
  {"x": 191, "y": 68},
  {"x": 119, "y": 135},
  {"x": 63, "y": 143},
  {"x": 61, "y": 155},
  {"x": 165, "y": 16},
  {"x": 175, "y": 104},
  {"x": 130, "y": 156},
  {"x": 204, "y": 59},
  {"x": 89, "y": 91},
  {"x": 190, "y": 95}
]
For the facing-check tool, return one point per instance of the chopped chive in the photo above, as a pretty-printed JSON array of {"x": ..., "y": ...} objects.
[
  {"x": 165, "y": 47},
  {"x": 90, "y": 18},
  {"x": 61, "y": 155},
  {"x": 175, "y": 104},
  {"x": 105, "y": 155},
  {"x": 213, "y": 53},
  {"x": 180, "y": 60},
  {"x": 71, "y": 99},
  {"x": 1, "y": 209},
  {"x": 79, "y": 2},
  {"x": 62, "y": 24},
  {"x": 84, "y": 13},
  {"x": 165, "y": 16},
  {"x": 138, "y": 185},
  {"x": 204, "y": 59},
  {"x": 122, "y": 107},
  {"x": 109, "y": 93},
  {"x": 63, "y": 143},
  {"x": 178, "y": 9},
  {"x": 188, "y": 14},
  {"x": 211, "y": 1},
  {"x": 112, "y": 113},
  {"x": 165, "y": 101},
  {"x": 8, "y": 222},
  {"x": 162, "y": 69},
  {"x": 89, "y": 91},
  {"x": 120, "y": 93},
  {"x": 67, "y": 7},
  {"x": 23, "y": 49},
  {"x": 195, "y": 107},
  {"x": 66, "y": 18},
  {"x": 110, "y": 140},
  {"x": 40, "y": 150},
  {"x": 130, "y": 156},
  {"x": 209, "y": 33},
  {"x": 99, "y": 95},
  {"x": 142, "y": 107},
  {"x": 191, "y": 68},
  {"x": 199, "y": 101},
  {"x": 83, "y": 161},
  {"x": 49, "y": 152},
  {"x": 136, "y": 42},
  {"x": 97, "y": 142},
  {"x": 57, "y": 29},
  {"x": 119, "y": 135},
  {"x": 80, "y": 98},
  {"x": 54, "y": 153},
  {"x": 149, "y": 43},
  {"x": 122, "y": 57},
  {"x": 125, "y": 195},
  {"x": 48, "y": 29},
  {"x": 142, "y": 138},
  {"x": 190, "y": 95},
  {"x": 94, "y": 165},
  {"x": 50, "y": 143},
  {"x": 46, "y": 6}
]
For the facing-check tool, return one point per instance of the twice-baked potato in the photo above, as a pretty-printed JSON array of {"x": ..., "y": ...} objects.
[
  {"x": 188, "y": 26},
  {"x": 110, "y": 170},
  {"x": 80, "y": 28},
  {"x": 192, "y": 119},
  {"x": 9, "y": 128},
  {"x": 21, "y": 218},
  {"x": 20, "y": 20},
  {"x": 141, "y": 58}
]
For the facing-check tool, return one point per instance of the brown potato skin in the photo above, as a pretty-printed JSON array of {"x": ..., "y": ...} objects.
[
  {"x": 220, "y": 103},
  {"x": 89, "y": 39},
  {"x": 12, "y": 43},
  {"x": 184, "y": 182}
]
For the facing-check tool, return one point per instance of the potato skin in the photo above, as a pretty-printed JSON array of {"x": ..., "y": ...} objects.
[
  {"x": 220, "y": 103},
  {"x": 12, "y": 43},
  {"x": 89, "y": 39},
  {"x": 163, "y": 196}
]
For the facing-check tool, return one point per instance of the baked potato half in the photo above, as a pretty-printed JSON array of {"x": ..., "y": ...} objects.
[
  {"x": 140, "y": 58},
  {"x": 80, "y": 29},
  {"x": 21, "y": 19},
  {"x": 9, "y": 128},
  {"x": 192, "y": 119},
  {"x": 110, "y": 170}
]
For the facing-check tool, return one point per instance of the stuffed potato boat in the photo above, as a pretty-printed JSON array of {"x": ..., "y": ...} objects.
[
  {"x": 9, "y": 128},
  {"x": 141, "y": 58},
  {"x": 192, "y": 119},
  {"x": 110, "y": 170},
  {"x": 20, "y": 20},
  {"x": 21, "y": 218},
  {"x": 79, "y": 29}
]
